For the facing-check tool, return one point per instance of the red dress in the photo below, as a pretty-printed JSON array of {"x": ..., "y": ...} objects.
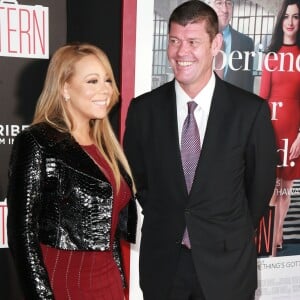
[
  {"x": 88, "y": 275},
  {"x": 281, "y": 88}
]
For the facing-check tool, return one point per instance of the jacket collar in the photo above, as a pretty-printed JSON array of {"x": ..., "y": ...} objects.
[{"x": 64, "y": 147}]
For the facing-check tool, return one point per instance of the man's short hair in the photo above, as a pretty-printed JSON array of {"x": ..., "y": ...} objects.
[{"x": 194, "y": 11}]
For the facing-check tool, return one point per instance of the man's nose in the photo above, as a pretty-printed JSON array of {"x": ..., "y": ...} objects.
[{"x": 183, "y": 48}]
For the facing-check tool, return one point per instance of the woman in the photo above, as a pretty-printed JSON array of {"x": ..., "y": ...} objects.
[
  {"x": 280, "y": 86},
  {"x": 70, "y": 194}
]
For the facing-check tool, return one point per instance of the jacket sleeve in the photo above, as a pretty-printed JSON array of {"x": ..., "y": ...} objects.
[
  {"x": 126, "y": 230},
  {"x": 134, "y": 152},
  {"x": 261, "y": 161},
  {"x": 24, "y": 205},
  {"x": 128, "y": 221}
]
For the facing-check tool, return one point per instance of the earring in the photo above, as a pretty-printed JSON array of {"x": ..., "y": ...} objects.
[{"x": 67, "y": 98}]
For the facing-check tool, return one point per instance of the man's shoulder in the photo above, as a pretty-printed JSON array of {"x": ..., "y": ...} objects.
[
  {"x": 159, "y": 90},
  {"x": 165, "y": 90},
  {"x": 240, "y": 96}
]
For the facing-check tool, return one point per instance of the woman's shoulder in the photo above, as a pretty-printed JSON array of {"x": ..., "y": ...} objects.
[{"x": 43, "y": 134}]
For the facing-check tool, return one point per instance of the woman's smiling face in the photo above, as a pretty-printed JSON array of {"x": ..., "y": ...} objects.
[{"x": 89, "y": 90}]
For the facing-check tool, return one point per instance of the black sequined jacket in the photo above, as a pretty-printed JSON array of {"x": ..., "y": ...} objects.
[{"x": 59, "y": 197}]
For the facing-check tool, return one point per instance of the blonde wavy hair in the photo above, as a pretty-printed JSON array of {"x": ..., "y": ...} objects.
[{"x": 51, "y": 108}]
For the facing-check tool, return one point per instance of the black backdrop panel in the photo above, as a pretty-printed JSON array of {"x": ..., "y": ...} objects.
[
  {"x": 21, "y": 80},
  {"x": 99, "y": 23}
]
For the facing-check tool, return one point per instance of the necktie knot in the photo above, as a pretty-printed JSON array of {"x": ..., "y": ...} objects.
[{"x": 191, "y": 106}]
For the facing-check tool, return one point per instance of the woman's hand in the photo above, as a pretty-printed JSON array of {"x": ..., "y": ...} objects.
[{"x": 295, "y": 148}]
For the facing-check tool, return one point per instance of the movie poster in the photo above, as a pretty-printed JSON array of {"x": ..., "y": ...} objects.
[{"x": 254, "y": 58}]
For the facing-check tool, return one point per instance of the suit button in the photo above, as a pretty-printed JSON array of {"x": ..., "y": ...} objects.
[{"x": 187, "y": 211}]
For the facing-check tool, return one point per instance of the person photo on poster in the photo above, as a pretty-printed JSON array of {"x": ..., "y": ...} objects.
[
  {"x": 203, "y": 154},
  {"x": 235, "y": 45},
  {"x": 280, "y": 86}
]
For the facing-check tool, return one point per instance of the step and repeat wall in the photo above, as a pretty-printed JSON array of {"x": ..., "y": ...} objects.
[{"x": 30, "y": 31}]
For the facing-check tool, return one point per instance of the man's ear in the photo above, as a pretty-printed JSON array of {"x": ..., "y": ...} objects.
[{"x": 217, "y": 44}]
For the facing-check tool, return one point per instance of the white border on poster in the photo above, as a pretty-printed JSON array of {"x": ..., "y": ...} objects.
[
  {"x": 278, "y": 278},
  {"x": 143, "y": 75},
  {"x": 24, "y": 30},
  {"x": 3, "y": 230},
  {"x": 144, "y": 46}
]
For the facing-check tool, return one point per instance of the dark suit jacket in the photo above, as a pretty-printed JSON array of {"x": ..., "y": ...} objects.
[
  {"x": 233, "y": 183},
  {"x": 241, "y": 78}
]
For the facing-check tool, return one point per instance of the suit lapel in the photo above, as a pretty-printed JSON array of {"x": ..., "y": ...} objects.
[
  {"x": 168, "y": 135},
  {"x": 218, "y": 122}
]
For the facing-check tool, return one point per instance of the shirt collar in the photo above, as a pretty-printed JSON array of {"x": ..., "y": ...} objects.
[
  {"x": 203, "y": 98},
  {"x": 226, "y": 32}
]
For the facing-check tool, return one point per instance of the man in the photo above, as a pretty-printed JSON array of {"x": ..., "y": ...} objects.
[
  {"x": 233, "y": 181},
  {"x": 234, "y": 41}
]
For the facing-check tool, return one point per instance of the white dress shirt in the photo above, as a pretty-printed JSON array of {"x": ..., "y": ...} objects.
[{"x": 201, "y": 113}]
